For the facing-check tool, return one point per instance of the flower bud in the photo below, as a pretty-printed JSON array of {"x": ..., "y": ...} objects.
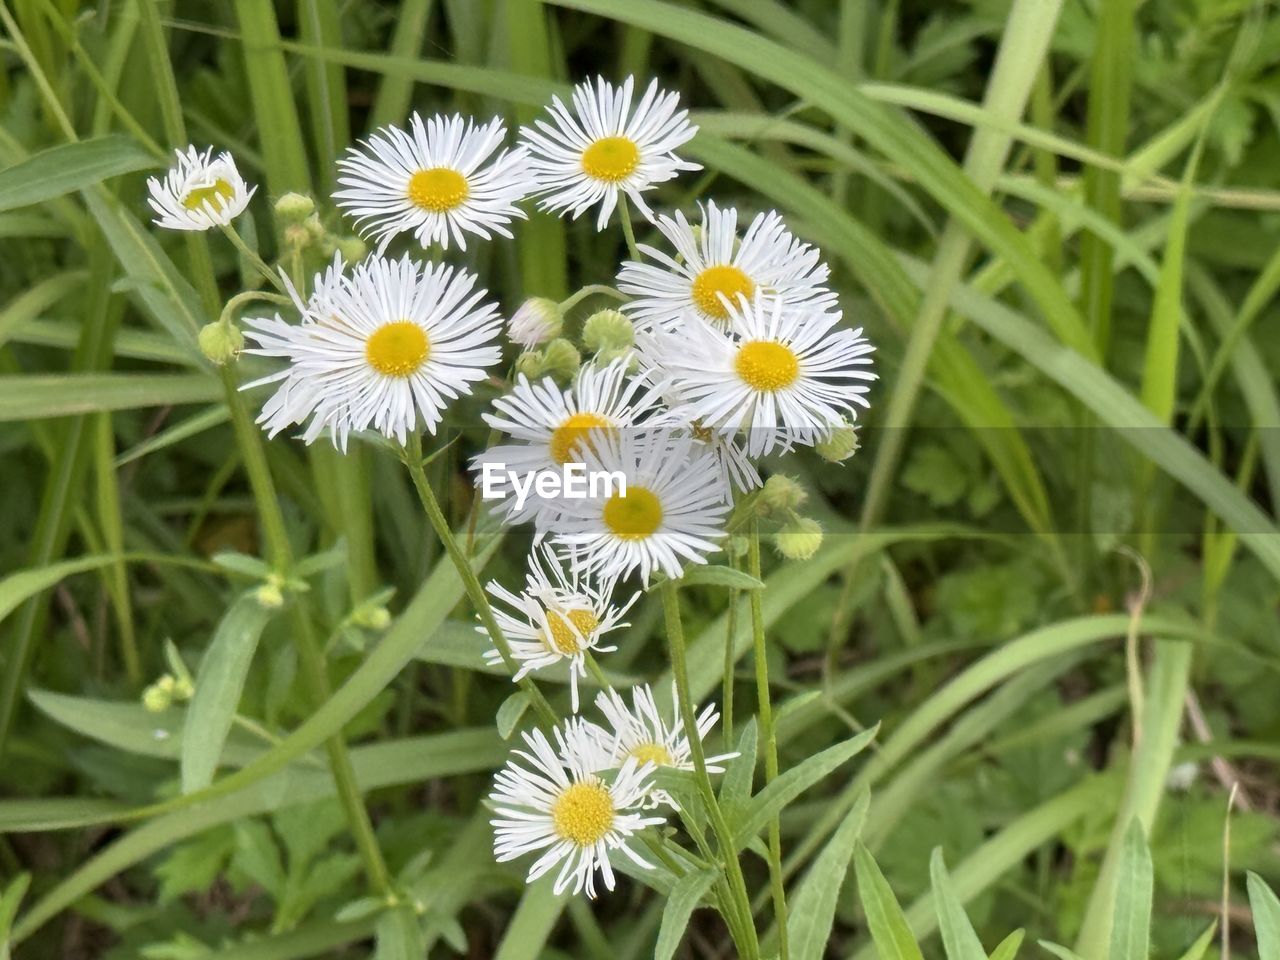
[
  {"x": 155, "y": 699},
  {"x": 799, "y": 540},
  {"x": 737, "y": 546},
  {"x": 220, "y": 341},
  {"x": 783, "y": 493},
  {"x": 840, "y": 444},
  {"x": 538, "y": 320},
  {"x": 352, "y": 249},
  {"x": 270, "y": 595},
  {"x": 561, "y": 359},
  {"x": 183, "y": 689},
  {"x": 608, "y": 332},
  {"x": 530, "y": 363},
  {"x": 372, "y": 618},
  {"x": 294, "y": 207}
]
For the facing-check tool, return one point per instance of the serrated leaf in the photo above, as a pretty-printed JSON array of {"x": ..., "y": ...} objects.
[
  {"x": 1266, "y": 917},
  {"x": 958, "y": 936},
  {"x": 510, "y": 712},
  {"x": 813, "y": 907},
  {"x": 1131, "y": 927},
  {"x": 684, "y": 899},
  {"x": 885, "y": 919}
]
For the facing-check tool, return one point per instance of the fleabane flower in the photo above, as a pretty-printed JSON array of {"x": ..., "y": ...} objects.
[
  {"x": 605, "y": 147},
  {"x": 669, "y": 513},
  {"x": 556, "y": 805},
  {"x": 561, "y": 615},
  {"x": 388, "y": 347},
  {"x": 200, "y": 191},
  {"x": 710, "y": 269},
  {"x": 552, "y": 427},
  {"x": 434, "y": 180},
  {"x": 642, "y": 733},
  {"x": 776, "y": 375}
]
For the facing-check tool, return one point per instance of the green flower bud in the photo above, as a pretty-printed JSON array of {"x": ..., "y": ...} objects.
[
  {"x": 220, "y": 341},
  {"x": 608, "y": 331},
  {"x": 297, "y": 236},
  {"x": 373, "y": 618},
  {"x": 538, "y": 320},
  {"x": 352, "y": 249},
  {"x": 737, "y": 546},
  {"x": 183, "y": 689},
  {"x": 799, "y": 540},
  {"x": 782, "y": 493},
  {"x": 270, "y": 595},
  {"x": 294, "y": 207},
  {"x": 561, "y": 359},
  {"x": 156, "y": 700},
  {"x": 531, "y": 364},
  {"x": 840, "y": 444}
]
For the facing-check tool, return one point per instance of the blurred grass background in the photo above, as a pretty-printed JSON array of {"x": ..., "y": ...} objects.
[{"x": 1051, "y": 572}]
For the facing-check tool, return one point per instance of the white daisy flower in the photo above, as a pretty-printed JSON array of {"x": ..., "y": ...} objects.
[
  {"x": 640, "y": 732},
  {"x": 605, "y": 147},
  {"x": 387, "y": 347},
  {"x": 553, "y": 427},
  {"x": 670, "y": 512},
  {"x": 200, "y": 191},
  {"x": 711, "y": 266},
  {"x": 779, "y": 376},
  {"x": 560, "y": 615},
  {"x": 576, "y": 817},
  {"x": 431, "y": 180}
]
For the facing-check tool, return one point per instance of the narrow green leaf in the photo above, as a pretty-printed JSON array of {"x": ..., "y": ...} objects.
[
  {"x": 219, "y": 683},
  {"x": 885, "y": 919},
  {"x": 812, "y": 909},
  {"x": 9, "y": 901},
  {"x": 1131, "y": 927},
  {"x": 532, "y": 923},
  {"x": 21, "y": 586},
  {"x": 395, "y": 92},
  {"x": 684, "y": 899},
  {"x": 718, "y": 575},
  {"x": 1200, "y": 947},
  {"x": 958, "y": 936},
  {"x": 510, "y": 712},
  {"x": 398, "y": 936},
  {"x": 32, "y": 302},
  {"x": 68, "y": 167},
  {"x": 1007, "y": 949},
  {"x": 1266, "y": 917},
  {"x": 1059, "y": 951},
  {"x": 735, "y": 787},
  {"x": 40, "y": 396}
]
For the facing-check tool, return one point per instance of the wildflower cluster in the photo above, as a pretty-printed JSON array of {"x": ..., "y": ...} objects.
[{"x": 727, "y": 346}]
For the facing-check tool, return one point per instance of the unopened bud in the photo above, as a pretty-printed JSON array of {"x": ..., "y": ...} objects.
[
  {"x": 561, "y": 359},
  {"x": 270, "y": 596},
  {"x": 220, "y": 341},
  {"x": 374, "y": 618},
  {"x": 782, "y": 493},
  {"x": 538, "y": 320},
  {"x": 294, "y": 207},
  {"x": 840, "y": 444},
  {"x": 737, "y": 546},
  {"x": 608, "y": 332},
  {"x": 156, "y": 700},
  {"x": 530, "y": 363},
  {"x": 183, "y": 689},
  {"x": 352, "y": 249},
  {"x": 800, "y": 540}
]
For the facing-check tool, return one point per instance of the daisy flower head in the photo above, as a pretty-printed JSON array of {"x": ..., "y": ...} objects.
[
  {"x": 605, "y": 146},
  {"x": 552, "y": 427},
  {"x": 554, "y": 804},
  {"x": 434, "y": 180},
  {"x": 199, "y": 191},
  {"x": 664, "y": 507},
  {"x": 711, "y": 268},
  {"x": 642, "y": 733},
  {"x": 780, "y": 376},
  {"x": 388, "y": 347},
  {"x": 561, "y": 614}
]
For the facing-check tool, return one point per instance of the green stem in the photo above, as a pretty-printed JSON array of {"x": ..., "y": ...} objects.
[
  {"x": 280, "y": 554},
  {"x": 411, "y": 455},
  {"x": 770, "y": 737},
  {"x": 730, "y": 661},
  {"x": 590, "y": 290},
  {"x": 749, "y": 943},
  {"x": 252, "y": 257},
  {"x": 624, "y": 213}
]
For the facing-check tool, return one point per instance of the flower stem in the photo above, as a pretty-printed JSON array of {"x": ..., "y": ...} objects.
[
  {"x": 770, "y": 737},
  {"x": 280, "y": 555},
  {"x": 749, "y": 944},
  {"x": 252, "y": 257},
  {"x": 590, "y": 290},
  {"x": 624, "y": 214},
  {"x": 411, "y": 454}
]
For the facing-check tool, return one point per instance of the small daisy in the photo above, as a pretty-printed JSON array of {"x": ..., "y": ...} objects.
[
  {"x": 560, "y": 615},
  {"x": 431, "y": 181},
  {"x": 711, "y": 267},
  {"x": 199, "y": 192},
  {"x": 387, "y": 347},
  {"x": 670, "y": 512},
  {"x": 603, "y": 147},
  {"x": 779, "y": 376},
  {"x": 640, "y": 732},
  {"x": 558, "y": 805},
  {"x": 553, "y": 427}
]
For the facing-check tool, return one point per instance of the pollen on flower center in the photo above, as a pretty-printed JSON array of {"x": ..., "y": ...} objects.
[
  {"x": 633, "y": 515},
  {"x": 438, "y": 189},
  {"x": 611, "y": 159},
  {"x": 583, "y": 813},
  {"x": 397, "y": 349},
  {"x": 215, "y": 194},
  {"x": 713, "y": 281},
  {"x": 766, "y": 365},
  {"x": 563, "y": 640},
  {"x": 569, "y": 439},
  {"x": 654, "y": 753}
]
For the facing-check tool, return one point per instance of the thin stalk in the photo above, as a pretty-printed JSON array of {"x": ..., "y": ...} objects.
[
  {"x": 624, "y": 213},
  {"x": 587, "y": 291},
  {"x": 730, "y": 661},
  {"x": 253, "y": 259},
  {"x": 770, "y": 737},
  {"x": 741, "y": 902},
  {"x": 411, "y": 455}
]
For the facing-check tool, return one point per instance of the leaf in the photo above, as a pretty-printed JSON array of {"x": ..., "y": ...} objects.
[
  {"x": 258, "y": 857},
  {"x": 958, "y": 936},
  {"x": 735, "y": 788},
  {"x": 795, "y": 781},
  {"x": 510, "y": 712},
  {"x": 70, "y": 166},
  {"x": 1131, "y": 928},
  {"x": 219, "y": 683},
  {"x": 1266, "y": 917},
  {"x": 398, "y": 936},
  {"x": 1198, "y": 949},
  {"x": 9, "y": 901},
  {"x": 813, "y": 906},
  {"x": 684, "y": 899},
  {"x": 1059, "y": 951},
  {"x": 718, "y": 575},
  {"x": 1007, "y": 949},
  {"x": 531, "y": 924},
  {"x": 40, "y": 396},
  {"x": 885, "y": 919},
  {"x": 21, "y": 586}
]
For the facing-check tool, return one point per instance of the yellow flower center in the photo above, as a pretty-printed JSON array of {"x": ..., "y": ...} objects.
[
  {"x": 633, "y": 515},
  {"x": 766, "y": 365},
  {"x": 570, "y": 437},
  {"x": 713, "y": 281},
  {"x": 583, "y": 813},
  {"x": 438, "y": 189},
  {"x": 654, "y": 753},
  {"x": 611, "y": 159},
  {"x": 216, "y": 195},
  {"x": 563, "y": 640},
  {"x": 397, "y": 349}
]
